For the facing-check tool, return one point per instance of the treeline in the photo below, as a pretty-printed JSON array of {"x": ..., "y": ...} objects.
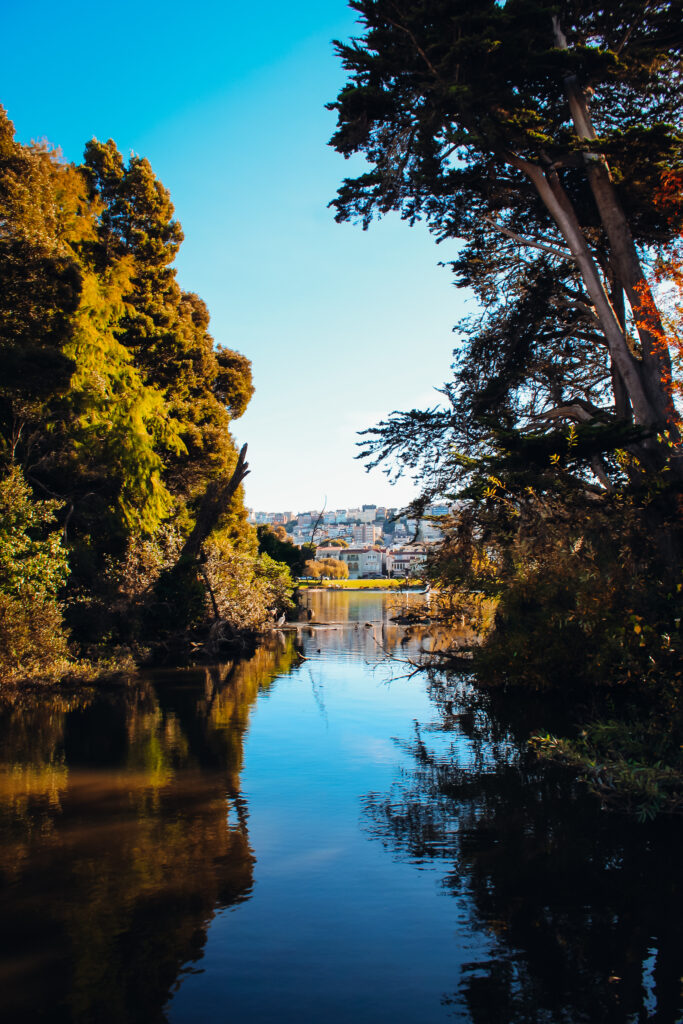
[
  {"x": 115, "y": 414},
  {"x": 545, "y": 139}
]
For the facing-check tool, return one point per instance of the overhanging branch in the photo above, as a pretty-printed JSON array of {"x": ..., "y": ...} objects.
[{"x": 529, "y": 242}]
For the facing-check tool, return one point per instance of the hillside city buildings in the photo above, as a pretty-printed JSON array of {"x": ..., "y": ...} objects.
[{"x": 378, "y": 541}]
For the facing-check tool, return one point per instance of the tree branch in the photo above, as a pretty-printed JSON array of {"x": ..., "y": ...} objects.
[
  {"x": 578, "y": 409},
  {"x": 417, "y": 46},
  {"x": 531, "y": 242},
  {"x": 216, "y": 500}
]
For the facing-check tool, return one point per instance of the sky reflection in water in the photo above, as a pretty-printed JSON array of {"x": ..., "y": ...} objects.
[{"x": 326, "y": 840}]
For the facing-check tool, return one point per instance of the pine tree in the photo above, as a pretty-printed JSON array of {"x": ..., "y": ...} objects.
[{"x": 539, "y": 134}]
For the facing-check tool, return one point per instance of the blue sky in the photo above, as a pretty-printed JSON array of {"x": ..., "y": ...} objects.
[{"x": 227, "y": 102}]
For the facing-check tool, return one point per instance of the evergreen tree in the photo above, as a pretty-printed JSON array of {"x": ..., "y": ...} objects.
[
  {"x": 114, "y": 399},
  {"x": 546, "y": 139},
  {"x": 166, "y": 329},
  {"x": 540, "y": 134}
]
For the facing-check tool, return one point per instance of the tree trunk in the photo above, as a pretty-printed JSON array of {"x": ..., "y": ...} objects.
[
  {"x": 557, "y": 203},
  {"x": 180, "y": 596},
  {"x": 215, "y": 502},
  {"x": 656, "y": 360},
  {"x": 622, "y": 405}
]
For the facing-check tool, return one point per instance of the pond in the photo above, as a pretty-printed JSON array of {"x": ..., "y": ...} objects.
[{"x": 336, "y": 839}]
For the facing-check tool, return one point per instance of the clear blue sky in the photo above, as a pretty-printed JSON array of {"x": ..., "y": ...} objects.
[{"x": 227, "y": 102}]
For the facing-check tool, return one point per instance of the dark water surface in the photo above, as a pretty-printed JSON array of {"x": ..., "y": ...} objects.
[{"x": 329, "y": 840}]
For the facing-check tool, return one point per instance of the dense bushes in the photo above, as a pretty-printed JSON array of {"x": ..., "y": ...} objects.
[
  {"x": 588, "y": 607},
  {"x": 33, "y": 569}
]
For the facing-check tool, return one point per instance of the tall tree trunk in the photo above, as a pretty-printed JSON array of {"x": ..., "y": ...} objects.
[
  {"x": 215, "y": 502},
  {"x": 181, "y": 598},
  {"x": 556, "y": 201},
  {"x": 655, "y": 353},
  {"x": 622, "y": 405}
]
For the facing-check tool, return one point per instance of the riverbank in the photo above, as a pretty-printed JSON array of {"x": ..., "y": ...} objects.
[
  {"x": 401, "y": 585},
  {"x": 256, "y": 833}
]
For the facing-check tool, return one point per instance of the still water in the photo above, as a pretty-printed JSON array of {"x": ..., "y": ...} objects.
[{"x": 333, "y": 839}]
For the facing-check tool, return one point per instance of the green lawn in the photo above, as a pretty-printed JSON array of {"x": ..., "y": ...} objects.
[{"x": 361, "y": 584}]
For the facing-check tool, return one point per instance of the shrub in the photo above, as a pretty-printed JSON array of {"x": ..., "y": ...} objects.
[
  {"x": 33, "y": 568},
  {"x": 249, "y": 592}
]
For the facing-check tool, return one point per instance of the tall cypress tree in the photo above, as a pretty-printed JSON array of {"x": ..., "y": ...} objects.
[{"x": 539, "y": 135}]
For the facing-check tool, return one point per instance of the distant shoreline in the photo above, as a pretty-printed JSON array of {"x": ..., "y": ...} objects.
[{"x": 368, "y": 586}]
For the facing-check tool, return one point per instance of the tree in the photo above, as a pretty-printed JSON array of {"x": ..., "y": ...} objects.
[
  {"x": 114, "y": 400},
  {"x": 330, "y": 568},
  {"x": 74, "y": 409},
  {"x": 166, "y": 329},
  {"x": 33, "y": 570},
  {"x": 546, "y": 139},
  {"x": 540, "y": 134},
  {"x": 283, "y": 550}
]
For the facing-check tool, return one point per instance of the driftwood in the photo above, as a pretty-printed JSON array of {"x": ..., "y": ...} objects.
[
  {"x": 180, "y": 596},
  {"x": 215, "y": 502}
]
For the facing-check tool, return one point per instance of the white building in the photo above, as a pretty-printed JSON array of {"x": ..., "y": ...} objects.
[
  {"x": 336, "y": 530},
  {"x": 327, "y": 550},
  {"x": 365, "y": 561},
  {"x": 404, "y": 561}
]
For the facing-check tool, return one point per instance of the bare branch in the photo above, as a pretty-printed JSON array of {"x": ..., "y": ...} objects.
[
  {"x": 578, "y": 409},
  {"x": 417, "y": 46},
  {"x": 215, "y": 502},
  {"x": 530, "y": 242}
]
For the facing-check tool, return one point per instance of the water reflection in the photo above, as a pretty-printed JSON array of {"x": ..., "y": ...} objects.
[
  {"x": 370, "y": 626},
  {"x": 476, "y": 887},
  {"x": 123, "y": 831},
  {"x": 582, "y": 909}
]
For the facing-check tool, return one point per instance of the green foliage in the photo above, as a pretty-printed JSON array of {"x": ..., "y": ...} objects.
[
  {"x": 546, "y": 139},
  {"x": 286, "y": 551},
  {"x": 114, "y": 399},
  {"x": 32, "y": 638},
  {"x": 32, "y": 557},
  {"x": 120, "y": 425},
  {"x": 615, "y": 759},
  {"x": 481, "y": 120},
  {"x": 588, "y": 604},
  {"x": 33, "y": 569},
  {"x": 166, "y": 329},
  {"x": 249, "y": 592},
  {"x": 233, "y": 381}
]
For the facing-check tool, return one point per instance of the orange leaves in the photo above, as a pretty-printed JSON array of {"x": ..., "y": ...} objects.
[
  {"x": 669, "y": 197},
  {"x": 662, "y": 303}
]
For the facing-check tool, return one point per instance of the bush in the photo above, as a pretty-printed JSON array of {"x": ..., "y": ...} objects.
[
  {"x": 33, "y": 568},
  {"x": 249, "y": 592},
  {"x": 32, "y": 638}
]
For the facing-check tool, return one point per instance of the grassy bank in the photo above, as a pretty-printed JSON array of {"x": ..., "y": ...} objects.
[{"x": 361, "y": 584}]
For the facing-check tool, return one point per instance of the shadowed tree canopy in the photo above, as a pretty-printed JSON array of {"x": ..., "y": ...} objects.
[
  {"x": 545, "y": 138},
  {"x": 283, "y": 550}
]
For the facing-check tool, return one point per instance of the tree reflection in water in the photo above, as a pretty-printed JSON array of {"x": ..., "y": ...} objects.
[
  {"x": 123, "y": 832},
  {"x": 582, "y": 909},
  {"x": 369, "y": 626}
]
